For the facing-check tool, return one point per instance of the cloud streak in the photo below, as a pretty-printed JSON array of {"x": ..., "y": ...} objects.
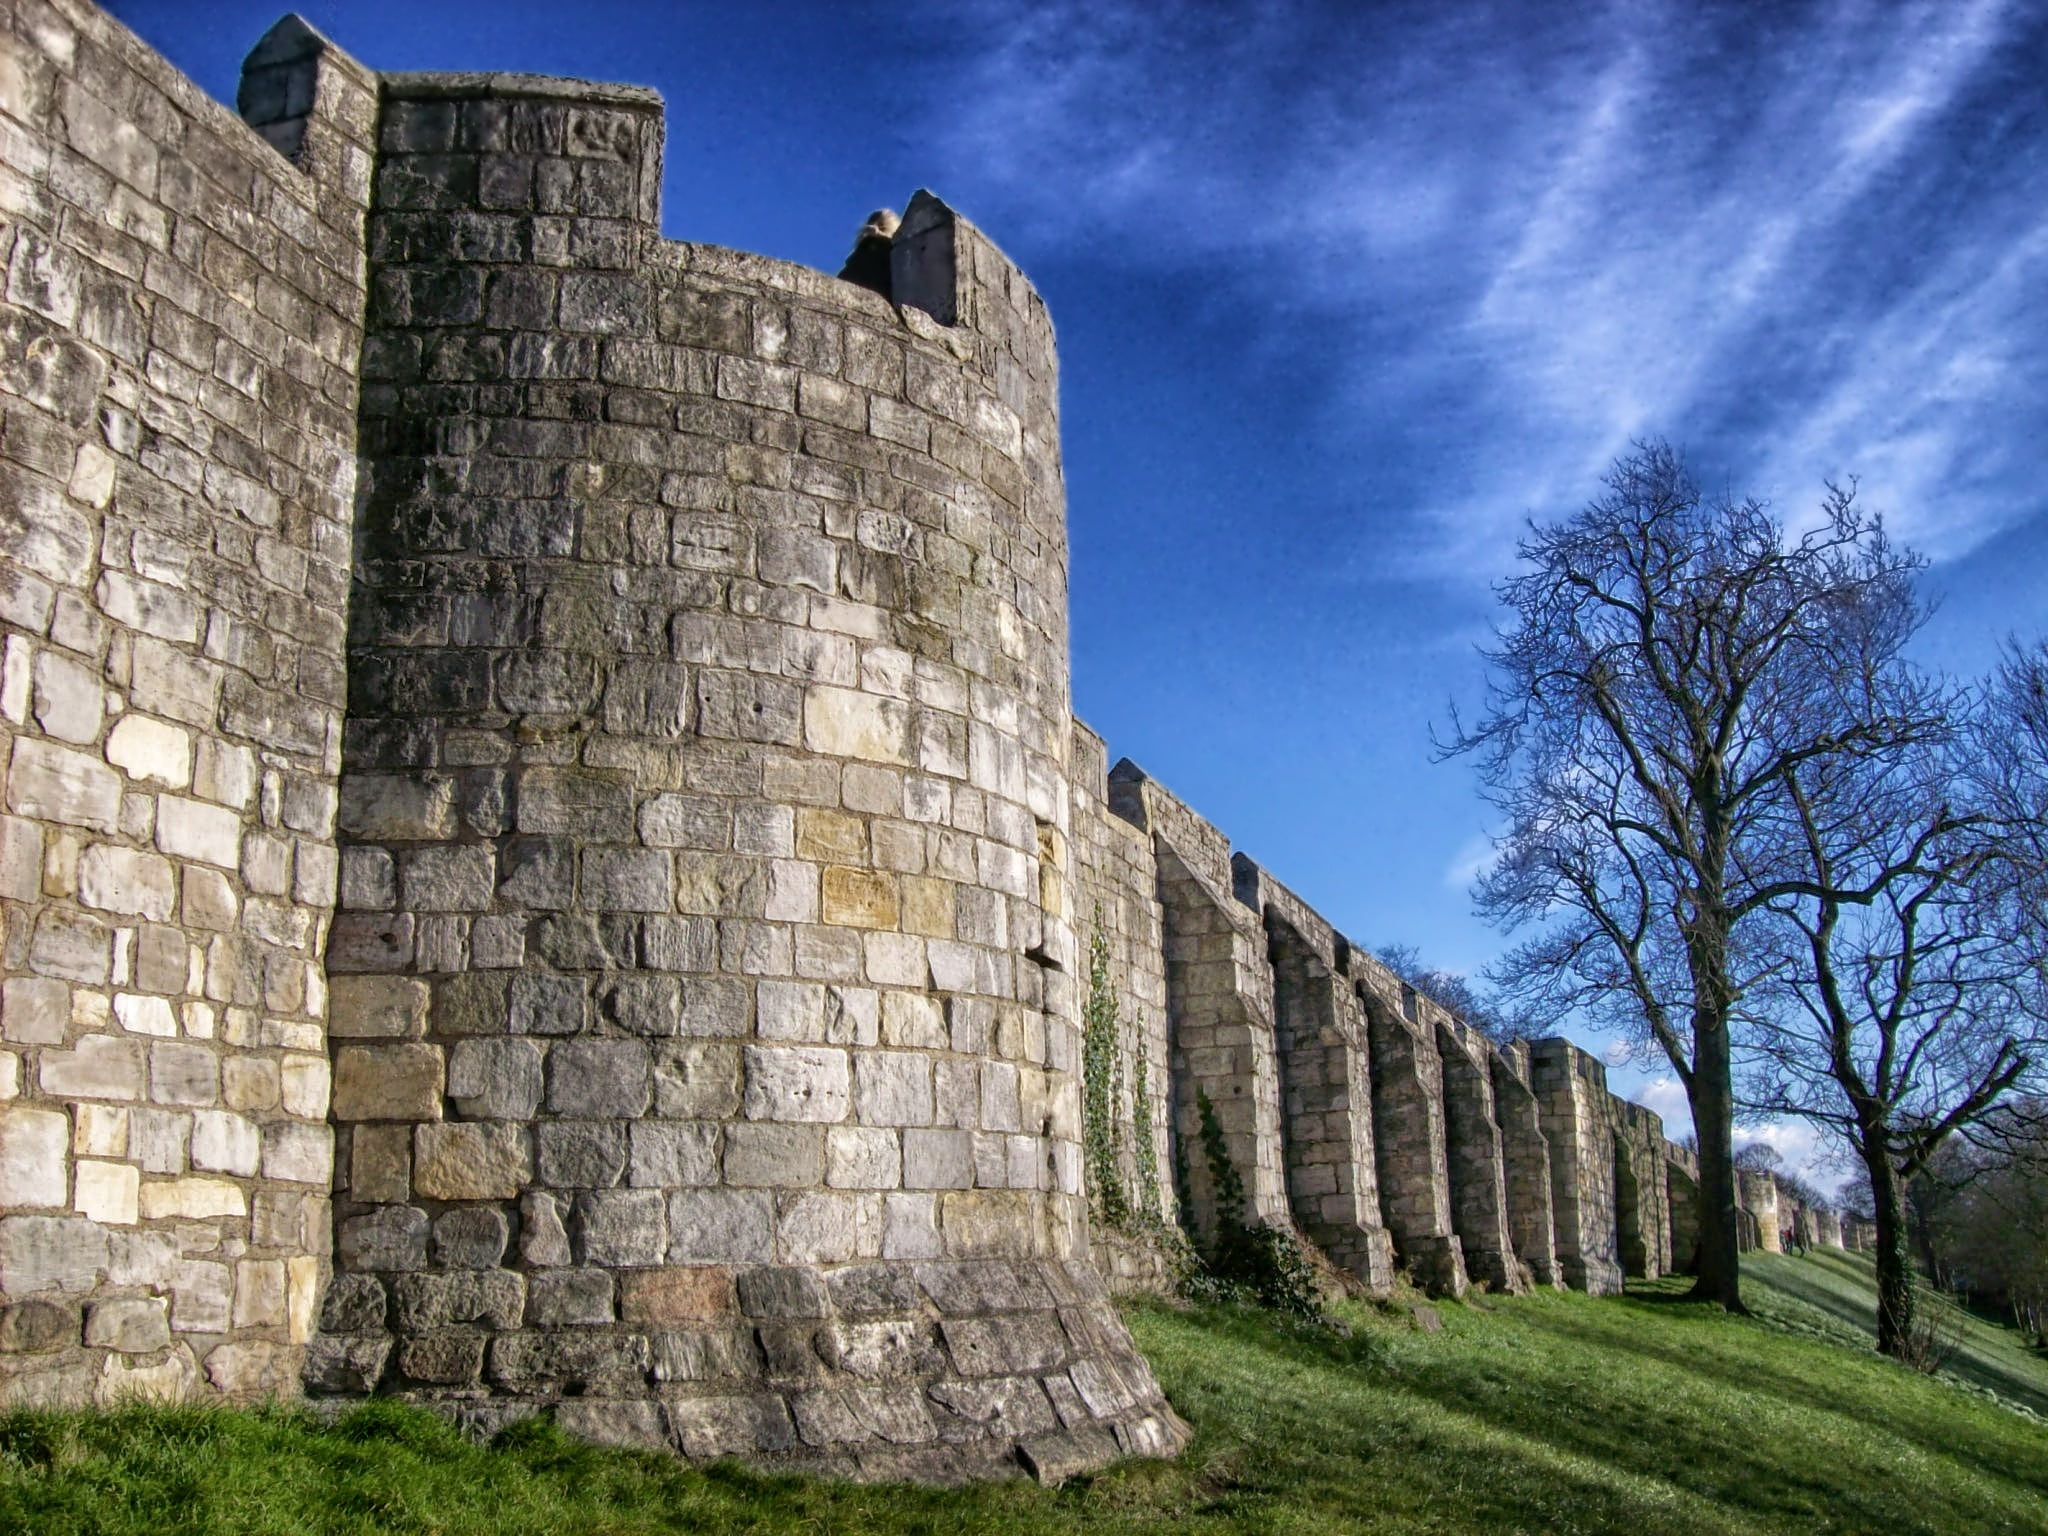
[{"x": 1806, "y": 240}]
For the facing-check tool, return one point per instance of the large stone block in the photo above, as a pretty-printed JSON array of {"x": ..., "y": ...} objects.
[
  {"x": 471, "y": 1161},
  {"x": 388, "y": 1082}
]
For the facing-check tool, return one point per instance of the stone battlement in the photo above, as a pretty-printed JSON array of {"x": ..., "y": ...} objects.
[{"x": 545, "y": 860}]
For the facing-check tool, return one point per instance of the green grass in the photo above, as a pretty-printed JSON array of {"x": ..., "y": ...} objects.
[{"x": 1551, "y": 1414}]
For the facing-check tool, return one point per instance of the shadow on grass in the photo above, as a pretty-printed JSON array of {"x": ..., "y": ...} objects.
[
  {"x": 1841, "y": 1288},
  {"x": 1930, "y": 1425},
  {"x": 1658, "y": 1424},
  {"x": 1347, "y": 1436}
]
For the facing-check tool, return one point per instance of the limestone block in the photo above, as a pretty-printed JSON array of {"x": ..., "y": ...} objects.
[
  {"x": 858, "y": 1157},
  {"x": 828, "y": 1227},
  {"x": 381, "y": 808},
  {"x": 644, "y": 1005},
  {"x": 225, "y": 1143},
  {"x": 157, "y": 1139},
  {"x": 797, "y": 1083},
  {"x": 581, "y": 1154},
  {"x": 298, "y": 1153},
  {"x": 459, "y": 877},
  {"x": 394, "y": 1238},
  {"x": 34, "y": 1010},
  {"x": 109, "y": 1193},
  {"x": 98, "y": 1067},
  {"x": 774, "y": 1156},
  {"x": 495, "y": 1079},
  {"x": 192, "y": 1196},
  {"x": 99, "y": 1130},
  {"x": 599, "y": 1078},
  {"x": 910, "y": 1227},
  {"x": 248, "y": 1083},
  {"x": 259, "y": 1293},
  {"x": 74, "y": 946},
  {"x": 569, "y": 1297},
  {"x": 21, "y": 859},
  {"x": 623, "y": 1227},
  {"x": 859, "y": 898},
  {"x": 628, "y": 880},
  {"x": 790, "y": 1010},
  {"x": 124, "y": 881},
  {"x": 173, "y": 1379},
  {"x": 143, "y": 605},
  {"x": 543, "y": 1239},
  {"x": 894, "y": 1088},
  {"x": 666, "y": 1155},
  {"x": 183, "y": 1073},
  {"x": 380, "y": 1164},
  {"x": 697, "y": 1081},
  {"x": 548, "y": 1005},
  {"x": 938, "y": 1159},
  {"x": 306, "y": 1084},
  {"x": 141, "y": 1014},
  {"x": 844, "y": 723},
  {"x": 133, "y": 1325},
  {"x": 193, "y": 829},
  {"x": 721, "y": 1226},
  {"x": 69, "y": 702},
  {"x": 913, "y": 1021},
  {"x": 166, "y": 681},
  {"x": 471, "y": 1237},
  {"x": 210, "y": 902},
  {"x": 376, "y": 1007},
  {"x": 35, "y": 1147},
  {"x": 151, "y": 750},
  {"x": 388, "y": 1082},
  {"x": 224, "y": 773},
  {"x": 665, "y": 1297},
  {"x": 471, "y": 1161},
  {"x": 53, "y": 783}
]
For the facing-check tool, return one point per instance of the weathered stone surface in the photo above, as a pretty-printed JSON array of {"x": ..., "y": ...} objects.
[
  {"x": 471, "y": 1161},
  {"x": 132, "y": 1325},
  {"x": 388, "y": 1082}
]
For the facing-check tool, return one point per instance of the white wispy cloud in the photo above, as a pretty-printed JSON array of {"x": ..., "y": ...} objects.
[{"x": 1808, "y": 241}]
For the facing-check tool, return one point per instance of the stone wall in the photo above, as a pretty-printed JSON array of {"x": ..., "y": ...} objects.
[
  {"x": 710, "y": 1002},
  {"x": 597, "y": 916},
  {"x": 179, "y": 336}
]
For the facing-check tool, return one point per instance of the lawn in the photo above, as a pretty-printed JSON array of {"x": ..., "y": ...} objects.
[{"x": 1550, "y": 1414}]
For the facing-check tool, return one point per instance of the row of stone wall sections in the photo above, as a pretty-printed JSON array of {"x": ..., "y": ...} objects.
[
  {"x": 178, "y": 343},
  {"x": 1325, "y": 1070}
]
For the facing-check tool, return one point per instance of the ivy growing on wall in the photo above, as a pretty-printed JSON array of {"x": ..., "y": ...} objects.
[
  {"x": 1102, "y": 1130},
  {"x": 1263, "y": 1263}
]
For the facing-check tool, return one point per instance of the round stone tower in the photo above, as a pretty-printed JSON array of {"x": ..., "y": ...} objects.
[{"x": 704, "y": 1009}]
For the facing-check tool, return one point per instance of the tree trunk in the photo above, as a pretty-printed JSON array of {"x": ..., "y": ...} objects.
[
  {"x": 1713, "y": 1117},
  {"x": 1895, "y": 1302}
]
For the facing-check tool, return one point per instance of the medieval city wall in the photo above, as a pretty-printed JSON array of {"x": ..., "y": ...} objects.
[
  {"x": 545, "y": 858},
  {"x": 1382, "y": 1129}
]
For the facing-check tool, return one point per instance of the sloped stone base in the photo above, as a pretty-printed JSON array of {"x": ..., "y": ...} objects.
[{"x": 939, "y": 1372}]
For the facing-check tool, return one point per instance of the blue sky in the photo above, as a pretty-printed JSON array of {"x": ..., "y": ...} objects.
[{"x": 1345, "y": 292}]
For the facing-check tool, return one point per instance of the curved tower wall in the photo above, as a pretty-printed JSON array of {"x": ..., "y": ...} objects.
[{"x": 704, "y": 1004}]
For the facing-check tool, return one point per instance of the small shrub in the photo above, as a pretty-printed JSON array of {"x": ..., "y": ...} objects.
[{"x": 1258, "y": 1263}]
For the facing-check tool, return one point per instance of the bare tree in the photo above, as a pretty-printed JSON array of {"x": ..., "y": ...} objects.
[
  {"x": 1904, "y": 1010},
  {"x": 1670, "y": 661},
  {"x": 1454, "y": 992}
]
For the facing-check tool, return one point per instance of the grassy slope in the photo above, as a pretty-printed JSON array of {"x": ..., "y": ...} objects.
[{"x": 1554, "y": 1414}]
